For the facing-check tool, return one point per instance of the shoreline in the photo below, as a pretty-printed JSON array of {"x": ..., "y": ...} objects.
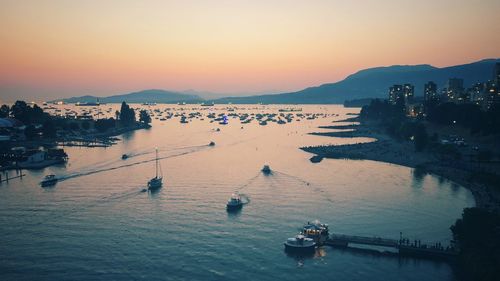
[{"x": 389, "y": 150}]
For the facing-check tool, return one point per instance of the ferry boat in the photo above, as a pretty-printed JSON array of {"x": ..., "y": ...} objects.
[
  {"x": 156, "y": 182},
  {"x": 49, "y": 180},
  {"x": 300, "y": 243},
  {"x": 316, "y": 231},
  {"x": 266, "y": 169},
  {"x": 234, "y": 203}
]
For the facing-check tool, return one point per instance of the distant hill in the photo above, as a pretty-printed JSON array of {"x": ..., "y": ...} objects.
[
  {"x": 158, "y": 96},
  {"x": 375, "y": 82},
  {"x": 362, "y": 85}
]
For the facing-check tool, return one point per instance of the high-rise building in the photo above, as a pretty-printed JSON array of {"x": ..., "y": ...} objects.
[
  {"x": 477, "y": 93},
  {"x": 396, "y": 95},
  {"x": 455, "y": 90},
  {"x": 409, "y": 93},
  {"x": 430, "y": 92}
]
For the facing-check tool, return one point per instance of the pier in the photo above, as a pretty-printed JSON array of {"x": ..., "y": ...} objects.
[
  {"x": 404, "y": 246},
  {"x": 5, "y": 177}
]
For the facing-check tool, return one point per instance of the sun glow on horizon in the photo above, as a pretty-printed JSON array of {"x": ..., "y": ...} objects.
[{"x": 66, "y": 48}]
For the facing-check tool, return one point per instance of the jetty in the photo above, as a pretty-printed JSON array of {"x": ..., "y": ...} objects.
[
  {"x": 5, "y": 177},
  {"x": 404, "y": 247}
]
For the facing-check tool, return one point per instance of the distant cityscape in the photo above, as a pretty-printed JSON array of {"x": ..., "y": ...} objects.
[{"x": 483, "y": 94}]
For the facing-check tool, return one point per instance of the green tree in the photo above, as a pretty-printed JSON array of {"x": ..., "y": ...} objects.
[
  {"x": 127, "y": 114},
  {"x": 144, "y": 117},
  {"x": 86, "y": 125},
  {"x": 27, "y": 114},
  {"x": 420, "y": 137},
  {"x": 477, "y": 233},
  {"x": 74, "y": 126},
  {"x": 102, "y": 125},
  {"x": 49, "y": 129},
  {"x": 4, "y": 111},
  {"x": 30, "y": 132}
]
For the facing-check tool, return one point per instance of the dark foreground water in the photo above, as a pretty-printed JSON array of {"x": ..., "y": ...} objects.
[{"x": 97, "y": 225}]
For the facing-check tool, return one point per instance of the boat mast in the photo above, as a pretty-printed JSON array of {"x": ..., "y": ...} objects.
[{"x": 156, "y": 162}]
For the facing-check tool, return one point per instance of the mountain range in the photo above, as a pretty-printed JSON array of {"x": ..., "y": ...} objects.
[
  {"x": 367, "y": 83},
  {"x": 153, "y": 95}
]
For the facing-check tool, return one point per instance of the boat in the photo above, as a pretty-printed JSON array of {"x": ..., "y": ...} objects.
[
  {"x": 300, "y": 243},
  {"x": 96, "y": 103},
  {"x": 49, "y": 180},
  {"x": 124, "y": 156},
  {"x": 266, "y": 169},
  {"x": 156, "y": 182},
  {"x": 234, "y": 203}
]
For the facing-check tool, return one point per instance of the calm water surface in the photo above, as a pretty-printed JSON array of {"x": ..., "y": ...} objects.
[{"x": 97, "y": 225}]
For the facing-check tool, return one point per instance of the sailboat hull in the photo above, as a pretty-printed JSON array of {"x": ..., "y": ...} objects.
[{"x": 155, "y": 183}]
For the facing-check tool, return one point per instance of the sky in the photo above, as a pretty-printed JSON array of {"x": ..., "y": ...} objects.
[{"x": 51, "y": 49}]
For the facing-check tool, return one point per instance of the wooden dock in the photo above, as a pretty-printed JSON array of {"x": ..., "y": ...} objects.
[
  {"x": 404, "y": 247},
  {"x": 5, "y": 177}
]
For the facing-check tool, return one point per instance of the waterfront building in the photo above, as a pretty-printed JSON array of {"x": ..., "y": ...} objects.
[
  {"x": 409, "y": 93},
  {"x": 455, "y": 90},
  {"x": 396, "y": 95},
  {"x": 430, "y": 92}
]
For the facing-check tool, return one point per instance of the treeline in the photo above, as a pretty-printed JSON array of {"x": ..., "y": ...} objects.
[
  {"x": 41, "y": 124},
  {"x": 394, "y": 120},
  {"x": 477, "y": 233},
  {"x": 469, "y": 116}
]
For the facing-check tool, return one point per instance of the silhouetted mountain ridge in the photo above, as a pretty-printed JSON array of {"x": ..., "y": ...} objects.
[
  {"x": 375, "y": 82},
  {"x": 366, "y": 83},
  {"x": 153, "y": 95}
]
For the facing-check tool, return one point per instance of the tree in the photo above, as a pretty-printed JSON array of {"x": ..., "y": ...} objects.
[
  {"x": 477, "y": 233},
  {"x": 102, "y": 125},
  {"x": 127, "y": 114},
  {"x": 86, "y": 125},
  {"x": 27, "y": 114},
  {"x": 421, "y": 138},
  {"x": 30, "y": 132},
  {"x": 49, "y": 129},
  {"x": 144, "y": 117},
  {"x": 4, "y": 111},
  {"x": 74, "y": 126}
]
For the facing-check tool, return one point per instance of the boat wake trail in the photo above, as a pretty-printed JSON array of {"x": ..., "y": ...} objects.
[
  {"x": 81, "y": 174},
  {"x": 283, "y": 176},
  {"x": 161, "y": 149},
  {"x": 249, "y": 182},
  {"x": 63, "y": 212},
  {"x": 244, "y": 199}
]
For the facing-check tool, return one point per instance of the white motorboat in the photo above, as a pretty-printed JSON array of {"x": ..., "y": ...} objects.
[
  {"x": 300, "y": 243},
  {"x": 49, "y": 180},
  {"x": 234, "y": 203}
]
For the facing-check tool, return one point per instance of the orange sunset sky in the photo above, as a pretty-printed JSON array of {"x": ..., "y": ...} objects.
[{"x": 51, "y": 49}]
